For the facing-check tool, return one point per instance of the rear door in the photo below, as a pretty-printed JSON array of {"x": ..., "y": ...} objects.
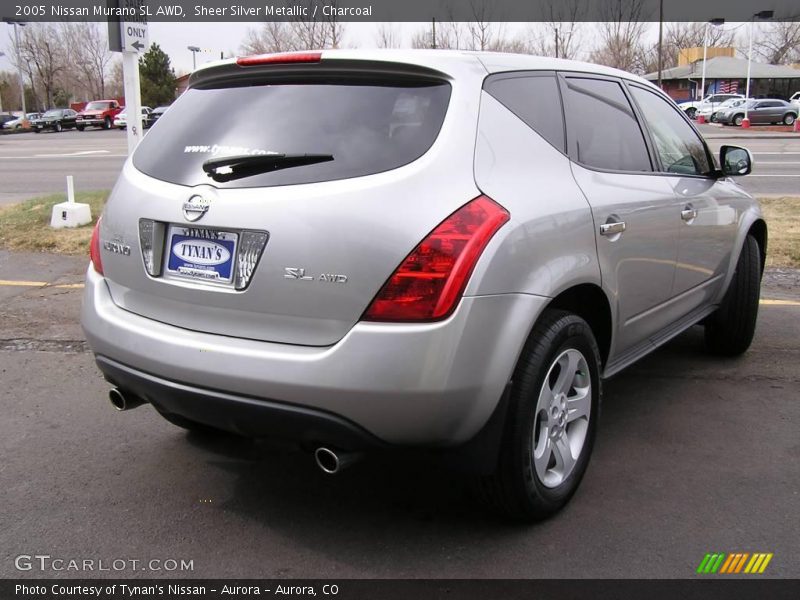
[{"x": 632, "y": 206}]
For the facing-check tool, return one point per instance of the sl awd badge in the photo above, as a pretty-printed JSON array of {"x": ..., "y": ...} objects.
[
  {"x": 299, "y": 274},
  {"x": 195, "y": 207}
]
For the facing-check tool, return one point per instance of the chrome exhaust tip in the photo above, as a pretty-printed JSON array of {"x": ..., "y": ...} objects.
[
  {"x": 332, "y": 462},
  {"x": 122, "y": 401}
]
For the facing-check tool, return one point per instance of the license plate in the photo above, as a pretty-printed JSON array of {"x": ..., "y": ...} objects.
[{"x": 201, "y": 254}]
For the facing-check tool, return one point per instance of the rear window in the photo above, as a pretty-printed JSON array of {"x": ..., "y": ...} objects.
[{"x": 367, "y": 128}]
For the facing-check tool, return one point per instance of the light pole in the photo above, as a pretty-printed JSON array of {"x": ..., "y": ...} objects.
[
  {"x": 1, "y": 89},
  {"x": 194, "y": 50},
  {"x": 17, "y": 24},
  {"x": 764, "y": 14},
  {"x": 715, "y": 23}
]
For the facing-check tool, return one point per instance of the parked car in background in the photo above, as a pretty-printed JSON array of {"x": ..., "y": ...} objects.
[
  {"x": 155, "y": 115},
  {"x": 98, "y": 113},
  {"x": 711, "y": 101},
  {"x": 121, "y": 120},
  {"x": 766, "y": 111},
  {"x": 439, "y": 251},
  {"x": 7, "y": 118},
  {"x": 709, "y": 112},
  {"x": 21, "y": 122},
  {"x": 55, "y": 119}
]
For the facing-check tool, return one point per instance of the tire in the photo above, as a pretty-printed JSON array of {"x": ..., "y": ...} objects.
[
  {"x": 691, "y": 112},
  {"x": 737, "y": 120},
  {"x": 57, "y": 127},
  {"x": 524, "y": 486},
  {"x": 106, "y": 123},
  {"x": 190, "y": 425},
  {"x": 789, "y": 119},
  {"x": 729, "y": 331},
  {"x": 79, "y": 127}
]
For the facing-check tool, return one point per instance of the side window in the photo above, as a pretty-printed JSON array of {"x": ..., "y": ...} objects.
[
  {"x": 534, "y": 99},
  {"x": 678, "y": 146},
  {"x": 604, "y": 132}
]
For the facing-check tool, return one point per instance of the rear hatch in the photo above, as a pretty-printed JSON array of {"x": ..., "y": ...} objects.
[{"x": 273, "y": 201}]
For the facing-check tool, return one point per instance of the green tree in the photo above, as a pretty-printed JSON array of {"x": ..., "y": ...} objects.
[{"x": 157, "y": 77}]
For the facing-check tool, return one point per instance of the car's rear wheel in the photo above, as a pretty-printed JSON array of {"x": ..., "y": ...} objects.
[
  {"x": 691, "y": 112},
  {"x": 551, "y": 421},
  {"x": 789, "y": 119},
  {"x": 729, "y": 331},
  {"x": 738, "y": 120}
]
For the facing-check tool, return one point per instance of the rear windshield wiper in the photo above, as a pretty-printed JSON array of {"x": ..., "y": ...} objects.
[{"x": 228, "y": 168}]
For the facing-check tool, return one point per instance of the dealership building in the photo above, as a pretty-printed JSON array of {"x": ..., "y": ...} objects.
[{"x": 726, "y": 74}]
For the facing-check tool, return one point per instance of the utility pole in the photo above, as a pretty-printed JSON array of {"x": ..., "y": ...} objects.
[
  {"x": 16, "y": 24},
  {"x": 660, "y": 40}
]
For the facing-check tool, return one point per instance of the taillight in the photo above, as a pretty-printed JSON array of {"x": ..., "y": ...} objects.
[
  {"x": 279, "y": 59},
  {"x": 94, "y": 248},
  {"x": 430, "y": 281}
]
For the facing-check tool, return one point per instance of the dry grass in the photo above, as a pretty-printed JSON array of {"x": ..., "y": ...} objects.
[
  {"x": 26, "y": 226},
  {"x": 783, "y": 223}
]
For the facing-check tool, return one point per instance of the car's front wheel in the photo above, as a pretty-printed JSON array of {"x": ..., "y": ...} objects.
[
  {"x": 58, "y": 127},
  {"x": 729, "y": 331},
  {"x": 552, "y": 420},
  {"x": 107, "y": 123},
  {"x": 79, "y": 127},
  {"x": 691, "y": 112}
]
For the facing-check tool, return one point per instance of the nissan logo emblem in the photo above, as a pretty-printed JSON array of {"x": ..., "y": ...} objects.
[{"x": 195, "y": 208}]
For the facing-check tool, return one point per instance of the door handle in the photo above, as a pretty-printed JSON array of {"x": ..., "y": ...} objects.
[
  {"x": 612, "y": 228},
  {"x": 688, "y": 214}
]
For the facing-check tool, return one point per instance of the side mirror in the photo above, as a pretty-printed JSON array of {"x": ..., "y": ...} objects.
[{"x": 735, "y": 161}]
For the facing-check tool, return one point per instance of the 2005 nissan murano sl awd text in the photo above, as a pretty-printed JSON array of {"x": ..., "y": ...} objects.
[{"x": 370, "y": 250}]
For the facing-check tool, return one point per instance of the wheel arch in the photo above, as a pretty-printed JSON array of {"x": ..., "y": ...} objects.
[
  {"x": 758, "y": 229},
  {"x": 589, "y": 301}
]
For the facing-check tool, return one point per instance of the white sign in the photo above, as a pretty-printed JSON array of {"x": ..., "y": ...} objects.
[{"x": 134, "y": 26}]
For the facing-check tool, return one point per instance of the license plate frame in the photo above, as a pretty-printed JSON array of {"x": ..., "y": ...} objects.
[{"x": 200, "y": 254}]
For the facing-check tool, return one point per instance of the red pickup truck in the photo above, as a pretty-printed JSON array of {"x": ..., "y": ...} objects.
[{"x": 98, "y": 113}]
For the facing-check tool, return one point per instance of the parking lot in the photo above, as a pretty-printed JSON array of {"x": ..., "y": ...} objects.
[{"x": 695, "y": 454}]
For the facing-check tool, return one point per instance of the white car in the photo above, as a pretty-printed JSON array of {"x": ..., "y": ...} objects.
[
  {"x": 120, "y": 121},
  {"x": 795, "y": 99},
  {"x": 712, "y": 101}
]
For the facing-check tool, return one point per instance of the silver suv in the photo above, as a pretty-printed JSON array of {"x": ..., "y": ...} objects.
[{"x": 371, "y": 250}]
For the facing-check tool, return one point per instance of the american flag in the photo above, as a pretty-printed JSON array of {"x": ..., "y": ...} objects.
[{"x": 729, "y": 86}]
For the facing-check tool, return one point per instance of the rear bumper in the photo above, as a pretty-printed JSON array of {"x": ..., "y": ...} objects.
[{"x": 432, "y": 385}]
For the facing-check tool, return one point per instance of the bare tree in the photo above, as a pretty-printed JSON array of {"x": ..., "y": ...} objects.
[
  {"x": 387, "y": 36},
  {"x": 299, "y": 34},
  {"x": 42, "y": 55},
  {"x": 562, "y": 27},
  {"x": 621, "y": 32},
  {"x": 779, "y": 42},
  {"x": 89, "y": 56}
]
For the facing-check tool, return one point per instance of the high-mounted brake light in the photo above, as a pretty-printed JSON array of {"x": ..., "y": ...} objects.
[
  {"x": 279, "y": 59},
  {"x": 94, "y": 248},
  {"x": 430, "y": 281}
]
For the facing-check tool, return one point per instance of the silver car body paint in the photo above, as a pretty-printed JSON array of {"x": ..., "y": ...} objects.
[{"x": 303, "y": 342}]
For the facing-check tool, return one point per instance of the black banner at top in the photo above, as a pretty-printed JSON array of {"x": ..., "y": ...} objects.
[{"x": 180, "y": 11}]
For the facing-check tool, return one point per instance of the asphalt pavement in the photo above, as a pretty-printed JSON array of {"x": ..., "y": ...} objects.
[
  {"x": 695, "y": 454},
  {"x": 35, "y": 164}
]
